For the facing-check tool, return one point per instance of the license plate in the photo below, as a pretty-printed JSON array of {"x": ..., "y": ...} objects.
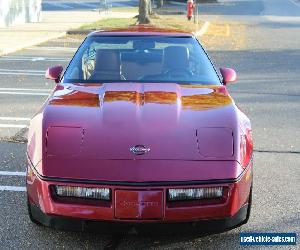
[{"x": 139, "y": 205}]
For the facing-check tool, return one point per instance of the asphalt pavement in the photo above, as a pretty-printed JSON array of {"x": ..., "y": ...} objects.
[
  {"x": 268, "y": 91},
  {"x": 23, "y": 87}
]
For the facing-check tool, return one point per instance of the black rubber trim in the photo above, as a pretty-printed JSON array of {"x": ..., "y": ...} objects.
[
  {"x": 77, "y": 224},
  {"x": 112, "y": 33},
  {"x": 140, "y": 184}
]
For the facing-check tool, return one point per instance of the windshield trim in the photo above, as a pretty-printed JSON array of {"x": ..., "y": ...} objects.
[
  {"x": 79, "y": 81},
  {"x": 142, "y": 81}
]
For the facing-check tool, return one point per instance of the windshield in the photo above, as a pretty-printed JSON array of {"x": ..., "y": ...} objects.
[{"x": 141, "y": 59}]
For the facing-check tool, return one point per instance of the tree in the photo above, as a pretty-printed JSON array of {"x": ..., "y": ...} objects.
[
  {"x": 144, "y": 12},
  {"x": 159, "y": 3}
]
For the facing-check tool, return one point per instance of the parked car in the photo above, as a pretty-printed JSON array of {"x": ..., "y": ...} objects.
[{"x": 140, "y": 128}]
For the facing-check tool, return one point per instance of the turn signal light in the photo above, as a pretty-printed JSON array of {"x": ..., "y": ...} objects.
[
  {"x": 83, "y": 192},
  {"x": 246, "y": 148},
  {"x": 195, "y": 193}
]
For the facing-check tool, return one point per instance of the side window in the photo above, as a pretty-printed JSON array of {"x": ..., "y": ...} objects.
[{"x": 88, "y": 62}]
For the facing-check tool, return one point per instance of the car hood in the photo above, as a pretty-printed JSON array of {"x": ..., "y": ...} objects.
[{"x": 92, "y": 123}]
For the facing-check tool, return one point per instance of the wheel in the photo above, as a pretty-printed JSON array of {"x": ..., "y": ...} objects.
[
  {"x": 249, "y": 207},
  {"x": 31, "y": 217}
]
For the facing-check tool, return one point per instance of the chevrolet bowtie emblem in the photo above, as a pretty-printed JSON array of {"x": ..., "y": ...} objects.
[{"x": 139, "y": 150}]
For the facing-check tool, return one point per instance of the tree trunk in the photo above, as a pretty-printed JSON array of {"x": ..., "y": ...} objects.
[
  {"x": 150, "y": 7},
  {"x": 159, "y": 3},
  {"x": 144, "y": 12}
]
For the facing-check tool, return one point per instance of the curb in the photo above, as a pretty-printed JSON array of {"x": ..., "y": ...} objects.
[
  {"x": 79, "y": 32},
  {"x": 177, "y": 3},
  {"x": 32, "y": 43},
  {"x": 203, "y": 29}
]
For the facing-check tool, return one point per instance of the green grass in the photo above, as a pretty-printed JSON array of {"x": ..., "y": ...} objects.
[
  {"x": 109, "y": 23},
  {"x": 169, "y": 22}
]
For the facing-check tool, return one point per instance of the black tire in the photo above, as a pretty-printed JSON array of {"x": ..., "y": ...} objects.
[
  {"x": 249, "y": 207},
  {"x": 31, "y": 217}
]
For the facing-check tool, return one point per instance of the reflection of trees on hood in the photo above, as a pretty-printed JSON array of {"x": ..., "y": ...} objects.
[
  {"x": 211, "y": 100},
  {"x": 76, "y": 98},
  {"x": 194, "y": 102},
  {"x": 202, "y": 102}
]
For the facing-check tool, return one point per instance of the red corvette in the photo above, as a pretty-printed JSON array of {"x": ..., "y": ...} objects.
[{"x": 140, "y": 129}]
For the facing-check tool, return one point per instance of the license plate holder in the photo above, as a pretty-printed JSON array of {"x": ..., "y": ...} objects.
[{"x": 138, "y": 204}]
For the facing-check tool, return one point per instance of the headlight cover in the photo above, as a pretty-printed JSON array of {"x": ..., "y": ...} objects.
[
  {"x": 195, "y": 193},
  {"x": 83, "y": 192}
]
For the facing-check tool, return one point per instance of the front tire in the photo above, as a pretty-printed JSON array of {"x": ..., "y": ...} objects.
[
  {"x": 249, "y": 207},
  {"x": 31, "y": 217}
]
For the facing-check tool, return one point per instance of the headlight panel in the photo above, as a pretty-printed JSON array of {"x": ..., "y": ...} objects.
[
  {"x": 83, "y": 192},
  {"x": 185, "y": 194}
]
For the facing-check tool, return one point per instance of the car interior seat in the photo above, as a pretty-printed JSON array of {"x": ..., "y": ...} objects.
[
  {"x": 107, "y": 65},
  {"x": 176, "y": 58}
]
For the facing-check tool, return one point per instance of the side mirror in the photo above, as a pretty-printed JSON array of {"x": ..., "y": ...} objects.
[
  {"x": 54, "y": 73},
  {"x": 229, "y": 75}
]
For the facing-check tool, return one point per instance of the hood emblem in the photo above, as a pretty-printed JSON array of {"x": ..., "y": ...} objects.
[{"x": 139, "y": 149}]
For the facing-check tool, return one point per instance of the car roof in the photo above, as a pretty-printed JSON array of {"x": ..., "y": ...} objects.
[{"x": 142, "y": 30}]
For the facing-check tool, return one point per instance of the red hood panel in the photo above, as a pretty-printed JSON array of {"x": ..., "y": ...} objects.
[
  {"x": 162, "y": 117},
  {"x": 172, "y": 120}
]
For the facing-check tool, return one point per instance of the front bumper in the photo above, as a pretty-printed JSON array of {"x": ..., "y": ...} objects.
[
  {"x": 227, "y": 212},
  {"x": 73, "y": 224}
]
